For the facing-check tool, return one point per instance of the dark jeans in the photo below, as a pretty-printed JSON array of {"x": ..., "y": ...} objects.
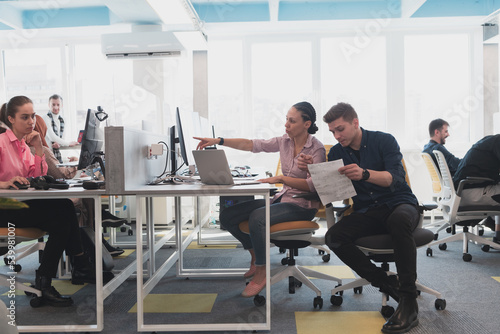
[
  {"x": 57, "y": 217},
  {"x": 255, "y": 212},
  {"x": 399, "y": 222}
]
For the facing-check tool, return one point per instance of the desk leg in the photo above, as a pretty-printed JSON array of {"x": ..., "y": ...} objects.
[
  {"x": 150, "y": 227},
  {"x": 139, "y": 256},
  {"x": 178, "y": 234},
  {"x": 98, "y": 262},
  {"x": 268, "y": 260}
]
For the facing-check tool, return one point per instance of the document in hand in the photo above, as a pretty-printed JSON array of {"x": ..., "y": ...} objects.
[{"x": 330, "y": 185}]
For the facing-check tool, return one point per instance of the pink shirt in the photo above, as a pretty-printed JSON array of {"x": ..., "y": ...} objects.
[
  {"x": 16, "y": 158},
  {"x": 289, "y": 164}
]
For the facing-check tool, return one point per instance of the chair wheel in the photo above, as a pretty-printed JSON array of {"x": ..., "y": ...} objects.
[
  {"x": 318, "y": 301},
  {"x": 443, "y": 246},
  {"x": 259, "y": 300},
  {"x": 6, "y": 261},
  {"x": 340, "y": 293},
  {"x": 123, "y": 229},
  {"x": 428, "y": 252},
  {"x": 467, "y": 257},
  {"x": 436, "y": 236},
  {"x": 284, "y": 261},
  {"x": 448, "y": 229},
  {"x": 36, "y": 302},
  {"x": 130, "y": 232},
  {"x": 387, "y": 311},
  {"x": 440, "y": 304},
  {"x": 17, "y": 267},
  {"x": 336, "y": 300},
  {"x": 485, "y": 248},
  {"x": 326, "y": 258},
  {"x": 358, "y": 290},
  {"x": 282, "y": 250}
]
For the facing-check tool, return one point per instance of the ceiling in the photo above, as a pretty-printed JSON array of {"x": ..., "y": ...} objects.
[{"x": 210, "y": 15}]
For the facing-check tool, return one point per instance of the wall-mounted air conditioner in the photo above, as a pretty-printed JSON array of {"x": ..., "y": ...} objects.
[{"x": 142, "y": 44}]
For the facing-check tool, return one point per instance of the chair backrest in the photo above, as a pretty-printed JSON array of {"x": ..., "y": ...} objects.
[
  {"x": 434, "y": 173},
  {"x": 449, "y": 200}
]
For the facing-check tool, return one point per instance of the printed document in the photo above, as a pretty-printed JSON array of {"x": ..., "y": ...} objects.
[{"x": 329, "y": 183}]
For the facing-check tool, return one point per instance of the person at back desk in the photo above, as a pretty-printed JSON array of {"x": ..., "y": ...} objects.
[
  {"x": 438, "y": 131},
  {"x": 384, "y": 204},
  {"x": 57, "y": 217},
  {"x": 299, "y": 126}
]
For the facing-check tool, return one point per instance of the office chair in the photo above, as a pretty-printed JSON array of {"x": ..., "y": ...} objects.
[
  {"x": 379, "y": 249},
  {"x": 291, "y": 236},
  {"x": 435, "y": 175},
  {"x": 20, "y": 235},
  {"x": 465, "y": 216}
]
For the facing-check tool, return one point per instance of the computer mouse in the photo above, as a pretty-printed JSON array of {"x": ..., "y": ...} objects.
[{"x": 20, "y": 186}]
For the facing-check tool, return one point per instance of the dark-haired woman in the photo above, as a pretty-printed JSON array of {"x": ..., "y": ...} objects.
[
  {"x": 299, "y": 127},
  {"x": 54, "y": 216}
]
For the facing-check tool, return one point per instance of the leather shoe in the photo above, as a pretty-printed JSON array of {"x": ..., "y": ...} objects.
[
  {"x": 391, "y": 287},
  {"x": 404, "y": 318}
]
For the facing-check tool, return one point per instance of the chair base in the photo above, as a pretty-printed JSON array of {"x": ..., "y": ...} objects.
[{"x": 466, "y": 237}]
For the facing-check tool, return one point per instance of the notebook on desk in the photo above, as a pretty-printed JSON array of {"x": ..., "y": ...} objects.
[{"x": 214, "y": 169}]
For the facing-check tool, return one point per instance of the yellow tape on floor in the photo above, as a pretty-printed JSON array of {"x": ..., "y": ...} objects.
[
  {"x": 339, "y": 322},
  {"x": 126, "y": 253},
  {"x": 496, "y": 278},
  {"x": 178, "y": 303},
  {"x": 342, "y": 272},
  {"x": 194, "y": 245}
]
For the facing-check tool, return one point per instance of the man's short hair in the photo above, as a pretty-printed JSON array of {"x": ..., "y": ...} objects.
[
  {"x": 436, "y": 124},
  {"x": 55, "y": 97},
  {"x": 344, "y": 110}
]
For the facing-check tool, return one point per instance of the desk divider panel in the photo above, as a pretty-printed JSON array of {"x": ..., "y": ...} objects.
[{"x": 127, "y": 165}]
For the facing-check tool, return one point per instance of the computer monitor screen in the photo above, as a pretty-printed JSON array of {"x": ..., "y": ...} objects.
[
  {"x": 177, "y": 141},
  {"x": 92, "y": 138}
]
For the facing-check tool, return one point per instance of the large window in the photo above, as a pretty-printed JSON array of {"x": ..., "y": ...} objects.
[
  {"x": 438, "y": 85},
  {"x": 357, "y": 78}
]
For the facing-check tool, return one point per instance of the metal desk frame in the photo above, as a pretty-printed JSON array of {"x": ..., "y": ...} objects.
[
  {"x": 102, "y": 292},
  {"x": 143, "y": 289}
]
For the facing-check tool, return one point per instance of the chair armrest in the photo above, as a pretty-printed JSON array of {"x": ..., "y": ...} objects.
[
  {"x": 427, "y": 206},
  {"x": 311, "y": 196},
  {"x": 339, "y": 209},
  {"x": 476, "y": 180}
]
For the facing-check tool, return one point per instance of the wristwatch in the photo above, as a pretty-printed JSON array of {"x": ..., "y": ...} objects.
[
  {"x": 221, "y": 142},
  {"x": 366, "y": 175}
]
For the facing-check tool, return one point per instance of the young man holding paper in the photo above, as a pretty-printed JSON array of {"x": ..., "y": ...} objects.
[{"x": 384, "y": 204}]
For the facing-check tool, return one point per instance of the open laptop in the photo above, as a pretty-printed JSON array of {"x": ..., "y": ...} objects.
[{"x": 214, "y": 169}]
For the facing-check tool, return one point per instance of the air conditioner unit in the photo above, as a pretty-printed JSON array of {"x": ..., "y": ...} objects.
[{"x": 141, "y": 45}]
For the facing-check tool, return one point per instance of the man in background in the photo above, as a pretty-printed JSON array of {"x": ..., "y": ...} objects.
[
  {"x": 438, "y": 132},
  {"x": 482, "y": 160},
  {"x": 55, "y": 127}
]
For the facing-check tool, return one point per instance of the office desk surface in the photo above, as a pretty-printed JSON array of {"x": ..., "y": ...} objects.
[{"x": 198, "y": 189}]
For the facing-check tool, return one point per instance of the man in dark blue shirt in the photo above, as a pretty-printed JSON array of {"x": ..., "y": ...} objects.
[
  {"x": 384, "y": 204},
  {"x": 438, "y": 131}
]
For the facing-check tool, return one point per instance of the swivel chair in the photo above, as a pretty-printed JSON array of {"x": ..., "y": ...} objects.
[
  {"x": 293, "y": 235},
  {"x": 465, "y": 216},
  {"x": 19, "y": 235}
]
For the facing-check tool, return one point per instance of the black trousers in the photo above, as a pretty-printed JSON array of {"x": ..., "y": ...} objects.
[
  {"x": 57, "y": 217},
  {"x": 399, "y": 222}
]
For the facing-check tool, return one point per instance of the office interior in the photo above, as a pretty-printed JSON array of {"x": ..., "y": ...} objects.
[{"x": 233, "y": 68}]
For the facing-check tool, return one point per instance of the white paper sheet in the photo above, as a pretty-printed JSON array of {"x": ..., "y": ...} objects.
[{"x": 329, "y": 183}]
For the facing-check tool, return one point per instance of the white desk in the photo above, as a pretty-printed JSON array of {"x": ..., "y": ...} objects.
[
  {"x": 178, "y": 191},
  {"x": 101, "y": 292}
]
